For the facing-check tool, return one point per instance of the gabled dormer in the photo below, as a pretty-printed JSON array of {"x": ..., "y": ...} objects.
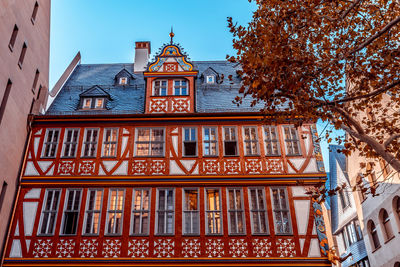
[
  {"x": 170, "y": 81},
  {"x": 210, "y": 76},
  {"x": 94, "y": 98},
  {"x": 123, "y": 78}
]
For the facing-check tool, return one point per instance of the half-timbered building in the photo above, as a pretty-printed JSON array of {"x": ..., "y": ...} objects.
[{"x": 153, "y": 164}]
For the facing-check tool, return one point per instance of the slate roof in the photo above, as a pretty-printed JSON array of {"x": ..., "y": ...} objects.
[{"x": 130, "y": 99}]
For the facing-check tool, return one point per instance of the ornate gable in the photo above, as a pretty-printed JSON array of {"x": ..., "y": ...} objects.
[{"x": 170, "y": 59}]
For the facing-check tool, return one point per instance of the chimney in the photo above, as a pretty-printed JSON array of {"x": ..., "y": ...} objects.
[{"x": 142, "y": 54}]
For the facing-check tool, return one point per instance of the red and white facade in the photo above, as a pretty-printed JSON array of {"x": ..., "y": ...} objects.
[{"x": 170, "y": 186}]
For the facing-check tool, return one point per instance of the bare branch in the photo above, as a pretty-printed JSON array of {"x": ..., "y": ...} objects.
[
  {"x": 376, "y": 35},
  {"x": 390, "y": 140},
  {"x": 356, "y": 2}
]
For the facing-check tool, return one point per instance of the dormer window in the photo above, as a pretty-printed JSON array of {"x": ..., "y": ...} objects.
[
  {"x": 180, "y": 87},
  {"x": 210, "y": 79},
  {"x": 93, "y": 103},
  {"x": 94, "y": 98},
  {"x": 160, "y": 88},
  {"x": 87, "y": 103},
  {"x": 123, "y": 81}
]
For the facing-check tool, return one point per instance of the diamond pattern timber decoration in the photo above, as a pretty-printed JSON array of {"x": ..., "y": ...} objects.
[
  {"x": 164, "y": 248},
  {"x": 65, "y": 248},
  {"x": 215, "y": 248},
  {"x": 191, "y": 248},
  {"x": 42, "y": 248},
  {"x": 238, "y": 248},
  {"x": 138, "y": 248},
  {"x": 88, "y": 248},
  {"x": 285, "y": 247},
  {"x": 111, "y": 248},
  {"x": 262, "y": 248}
]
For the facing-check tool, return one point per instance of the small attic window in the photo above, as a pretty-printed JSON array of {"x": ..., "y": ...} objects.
[
  {"x": 93, "y": 103},
  {"x": 123, "y": 81},
  {"x": 87, "y": 103},
  {"x": 99, "y": 103},
  {"x": 210, "y": 79}
]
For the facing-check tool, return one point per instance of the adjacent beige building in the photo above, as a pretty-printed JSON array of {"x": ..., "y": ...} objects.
[{"x": 24, "y": 75}]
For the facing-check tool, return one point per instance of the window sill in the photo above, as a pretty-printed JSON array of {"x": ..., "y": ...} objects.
[
  {"x": 388, "y": 240},
  {"x": 259, "y": 234},
  {"x": 113, "y": 235},
  {"x": 190, "y": 156},
  {"x": 68, "y": 234},
  {"x": 108, "y": 157},
  {"x": 48, "y": 157},
  {"x": 238, "y": 234},
  {"x": 68, "y": 157},
  {"x": 221, "y": 234},
  {"x": 197, "y": 234},
  {"x": 284, "y": 234},
  {"x": 88, "y": 157},
  {"x": 149, "y": 156},
  {"x": 294, "y": 155},
  {"x": 232, "y": 156},
  {"x": 165, "y": 234},
  {"x": 373, "y": 251},
  {"x": 141, "y": 235},
  {"x": 273, "y": 156},
  {"x": 253, "y": 155},
  {"x": 210, "y": 156},
  {"x": 90, "y": 234}
]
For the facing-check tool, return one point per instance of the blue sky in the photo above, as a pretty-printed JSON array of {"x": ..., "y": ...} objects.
[{"x": 105, "y": 31}]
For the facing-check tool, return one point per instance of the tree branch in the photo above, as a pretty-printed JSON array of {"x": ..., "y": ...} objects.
[
  {"x": 350, "y": 8},
  {"x": 390, "y": 140},
  {"x": 376, "y": 35}
]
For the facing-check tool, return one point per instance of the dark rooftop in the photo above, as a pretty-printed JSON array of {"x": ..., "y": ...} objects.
[{"x": 130, "y": 99}]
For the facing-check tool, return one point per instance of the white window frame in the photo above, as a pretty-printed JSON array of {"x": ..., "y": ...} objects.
[
  {"x": 230, "y": 136},
  {"x": 180, "y": 87},
  {"x": 51, "y": 143},
  {"x": 97, "y": 101},
  {"x": 84, "y": 106},
  {"x": 281, "y": 210},
  {"x": 189, "y": 141},
  {"x": 294, "y": 140},
  {"x": 210, "y": 141},
  {"x": 90, "y": 143},
  {"x": 206, "y": 210},
  {"x": 50, "y": 212},
  {"x": 110, "y": 143},
  {"x": 212, "y": 79},
  {"x": 140, "y": 211},
  {"x": 271, "y": 141},
  {"x": 93, "y": 211},
  {"x": 166, "y": 211},
  {"x": 159, "y": 88},
  {"x": 123, "y": 80},
  {"x": 115, "y": 212},
  {"x": 256, "y": 141},
  {"x": 258, "y": 211},
  {"x": 67, "y": 145},
  {"x": 149, "y": 142},
  {"x": 235, "y": 212},
  {"x": 69, "y": 191},
  {"x": 194, "y": 214}
]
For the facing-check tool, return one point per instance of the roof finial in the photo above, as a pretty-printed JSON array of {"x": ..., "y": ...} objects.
[{"x": 171, "y": 34}]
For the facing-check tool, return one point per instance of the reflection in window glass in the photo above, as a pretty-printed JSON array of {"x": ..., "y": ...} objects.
[
  {"x": 191, "y": 217},
  {"x": 115, "y": 211},
  {"x": 210, "y": 142},
  {"x": 165, "y": 211},
  {"x": 281, "y": 211},
  {"x": 213, "y": 211},
  {"x": 141, "y": 211}
]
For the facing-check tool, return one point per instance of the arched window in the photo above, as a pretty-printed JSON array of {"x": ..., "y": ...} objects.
[
  {"x": 373, "y": 235},
  {"x": 396, "y": 210},
  {"x": 385, "y": 221}
]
